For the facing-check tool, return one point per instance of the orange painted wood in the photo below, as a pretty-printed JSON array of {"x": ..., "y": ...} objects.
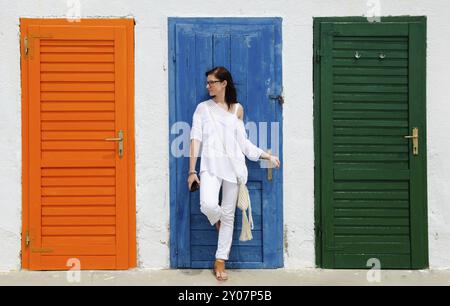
[
  {"x": 78, "y": 240},
  {"x": 79, "y": 211},
  {"x": 87, "y": 262},
  {"x": 45, "y": 48},
  {"x": 78, "y": 181},
  {"x": 77, "y": 77},
  {"x": 94, "y": 57},
  {"x": 77, "y": 145},
  {"x": 77, "y": 106},
  {"x": 78, "y": 67},
  {"x": 78, "y": 230},
  {"x": 25, "y": 149},
  {"x": 78, "y": 194},
  {"x": 50, "y": 158},
  {"x": 84, "y": 172},
  {"x": 78, "y": 221},
  {"x": 77, "y": 191},
  {"x": 79, "y": 43},
  {"x": 80, "y": 250},
  {"x": 79, "y": 200},
  {"x": 77, "y": 96},
  {"x": 78, "y": 116},
  {"x": 46, "y": 163},
  {"x": 77, "y": 86},
  {"x": 77, "y": 126},
  {"x": 77, "y": 135}
]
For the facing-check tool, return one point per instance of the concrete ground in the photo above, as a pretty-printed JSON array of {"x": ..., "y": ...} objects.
[{"x": 278, "y": 277}]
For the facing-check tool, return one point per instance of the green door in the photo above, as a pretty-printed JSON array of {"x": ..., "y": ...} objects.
[{"x": 371, "y": 198}]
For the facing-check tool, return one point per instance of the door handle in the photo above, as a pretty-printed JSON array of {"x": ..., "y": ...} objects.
[
  {"x": 415, "y": 139},
  {"x": 269, "y": 169},
  {"x": 119, "y": 141}
]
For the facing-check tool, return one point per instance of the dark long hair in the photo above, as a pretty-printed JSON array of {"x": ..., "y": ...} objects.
[{"x": 223, "y": 74}]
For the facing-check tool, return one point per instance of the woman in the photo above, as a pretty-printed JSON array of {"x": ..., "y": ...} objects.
[{"x": 218, "y": 126}]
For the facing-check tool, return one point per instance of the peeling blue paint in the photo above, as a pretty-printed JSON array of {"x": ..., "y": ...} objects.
[{"x": 248, "y": 48}]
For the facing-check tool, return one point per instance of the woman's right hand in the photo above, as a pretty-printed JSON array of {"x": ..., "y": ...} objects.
[{"x": 191, "y": 179}]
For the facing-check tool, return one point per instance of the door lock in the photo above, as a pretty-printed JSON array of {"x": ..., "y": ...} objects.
[
  {"x": 415, "y": 139},
  {"x": 119, "y": 141}
]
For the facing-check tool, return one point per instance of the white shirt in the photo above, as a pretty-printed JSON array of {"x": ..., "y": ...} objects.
[{"x": 234, "y": 136}]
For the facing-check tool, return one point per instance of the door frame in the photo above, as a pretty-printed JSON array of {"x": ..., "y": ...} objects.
[
  {"x": 417, "y": 95},
  {"x": 171, "y": 26},
  {"x": 128, "y": 23}
]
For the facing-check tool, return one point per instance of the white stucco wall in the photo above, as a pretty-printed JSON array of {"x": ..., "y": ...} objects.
[{"x": 151, "y": 116}]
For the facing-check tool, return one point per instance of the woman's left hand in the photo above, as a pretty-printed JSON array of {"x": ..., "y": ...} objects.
[{"x": 275, "y": 161}]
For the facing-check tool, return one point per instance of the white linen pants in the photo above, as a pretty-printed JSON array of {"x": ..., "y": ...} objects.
[{"x": 209, "y": 206}]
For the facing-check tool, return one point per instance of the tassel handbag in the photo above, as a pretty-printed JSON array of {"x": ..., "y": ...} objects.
[{"x": 243, "y": 199}]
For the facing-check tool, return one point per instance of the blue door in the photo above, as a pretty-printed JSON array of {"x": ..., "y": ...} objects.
[{"x": 251, "y": 49}]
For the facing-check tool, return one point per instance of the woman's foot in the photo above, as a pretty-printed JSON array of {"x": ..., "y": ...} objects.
[
  {"x": 219, "y": 270},
  {"x": 218, "y": 225}
]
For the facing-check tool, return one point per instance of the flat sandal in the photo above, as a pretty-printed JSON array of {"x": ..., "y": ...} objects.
[{"x": 220, "y": 275}]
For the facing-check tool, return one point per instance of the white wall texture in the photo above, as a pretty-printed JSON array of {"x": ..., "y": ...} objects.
[{"x": 151, "y": 102}]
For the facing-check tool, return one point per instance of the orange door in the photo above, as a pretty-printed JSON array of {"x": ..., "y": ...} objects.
[{"x": 78, "y": 177}]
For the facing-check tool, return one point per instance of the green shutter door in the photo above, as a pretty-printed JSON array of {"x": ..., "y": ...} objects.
[{"x": 372, "y": 185}]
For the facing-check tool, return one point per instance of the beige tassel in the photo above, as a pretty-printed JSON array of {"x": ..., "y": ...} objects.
[
  {"x": 246, "y": 232},
  {"x": 244, "y": 204}
]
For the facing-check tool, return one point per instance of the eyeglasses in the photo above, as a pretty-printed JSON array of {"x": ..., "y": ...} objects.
[{"x": 212, "y": 82}]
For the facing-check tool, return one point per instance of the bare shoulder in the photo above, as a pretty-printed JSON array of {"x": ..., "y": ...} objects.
[{"x": 240, "y": 111}]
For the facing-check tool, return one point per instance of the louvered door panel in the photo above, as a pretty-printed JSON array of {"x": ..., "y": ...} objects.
[
  {"x": 367, "y": 169},
  {"x": 69, "y": 227},
  {"x": 79, "y": 84},
  {"x": 370, "y": 117}
]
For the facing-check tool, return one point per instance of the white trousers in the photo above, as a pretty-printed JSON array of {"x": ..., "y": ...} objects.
[{"x": 209, "y": 206}]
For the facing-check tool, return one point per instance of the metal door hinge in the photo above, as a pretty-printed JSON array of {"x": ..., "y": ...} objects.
[
  {"x": 279, "y": 98},
  {"x": 35, "y": 250},
  {"x": 318, "y": 231},
  {"x": 27, "y": 238},
  {"x": 25, "y": 45},
  {"x": 28, "y": 42},
  {"x": 317, "y": 56}
]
